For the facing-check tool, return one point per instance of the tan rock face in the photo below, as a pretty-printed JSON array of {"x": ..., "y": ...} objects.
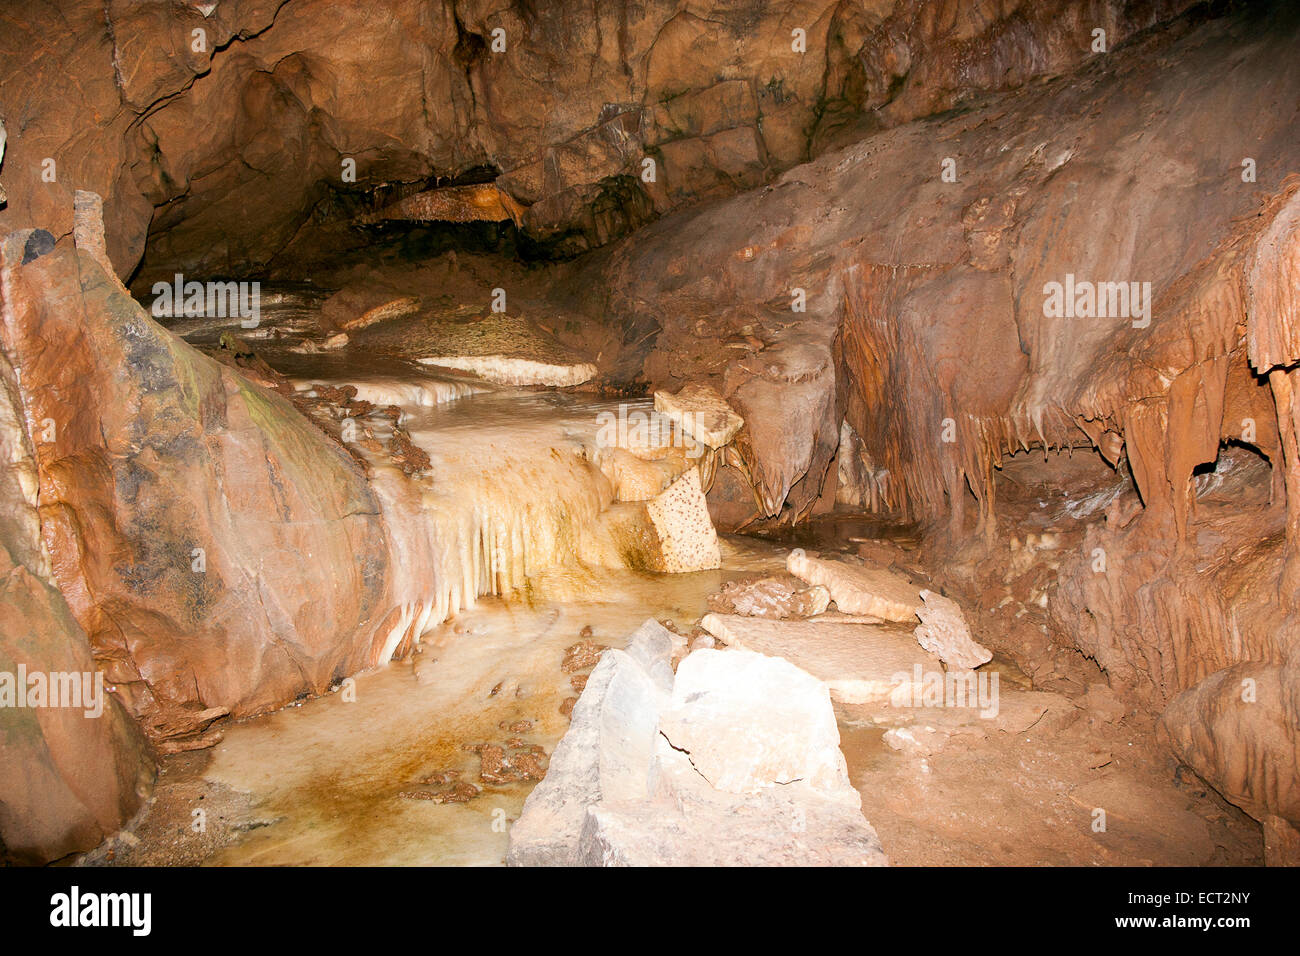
[
  {"x": 1237, "y": 730},
  {"x": 497, "y": 347},
  {"x": 938, "y": 315},
  {"x": 701, "y": 413},
  {"x": 69, "y": 775},
  {"x": 235, "y": 138},
  {"x": 928, "y": 331},
  {"x": 217, "y": 548},
  {"x": 638, "y": 479},
  {"x": 364, "y": 316},
  {"x": 219, "y": 555},
  {"x": 478, "y": 203},
  {"x": 70, "y": 778}
]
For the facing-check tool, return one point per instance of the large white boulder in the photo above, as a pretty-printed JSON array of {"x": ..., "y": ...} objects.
[
  {"x": 734, "y": 761},
  {"x": 859, "y": 663},
  {"x": 748, "y": 722}
]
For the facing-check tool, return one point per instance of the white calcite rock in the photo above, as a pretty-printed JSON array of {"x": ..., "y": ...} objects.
[
  {"x": 701, "y": 413},
  {"x": 625, "y": 785},
  {"x": 502, "y": 349},
  {"x": 943, "y": 632},
  {"x": 859, "y": 663},
  {"x": 857, "y": 589},
  {"x": 516, "y": 370},
  {"x": 606, "y": 753},
  {"x": 769, "y": 829},
  {"x": 748, "y": 722}
]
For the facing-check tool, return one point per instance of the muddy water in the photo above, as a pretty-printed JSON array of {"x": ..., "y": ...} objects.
[{"x": 839, "y": 531}]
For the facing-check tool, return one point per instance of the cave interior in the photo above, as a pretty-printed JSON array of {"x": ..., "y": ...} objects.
[{"x": 627, "y": 419}]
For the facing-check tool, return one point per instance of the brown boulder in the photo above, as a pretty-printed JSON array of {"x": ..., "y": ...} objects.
[
  {"x": 69, "y": 775},
  {"x": 217, "y": 548}
]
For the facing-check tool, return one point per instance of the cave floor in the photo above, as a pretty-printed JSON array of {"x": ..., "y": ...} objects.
[
  {"x": 1031, "y": 798},
  {"x": 322, "y": 782}
]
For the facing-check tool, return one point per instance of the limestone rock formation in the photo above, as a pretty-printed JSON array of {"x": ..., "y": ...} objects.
[
  {"x": 943, "y": 632},
  {"x": 922, "y": 313},
  {"x": 701, "y": 413},
  {"x": 634, "y": 478},
  {"x": 217, "y": 549},
  {"x": 499, "y": 348},
  {"x": 904, "y": 256},
  {"x": 679, "y": 517},
  {"x": 768, "y": 830},
  {"x": 271, "y": 101},
  {"x": 353, "y": 315},
  {"x": 72, "y": 774},
  {"x": 748, "y": 721},
  {"x": 606, "y": 754},
  {"x": 481, "y": 203},
  {"x": 773, "y": 597},
  {"x": 630, "y": 784},
  {"x": 1237, "y": 729},
  {"x": 858, "y": 589},
  {"x": 859, "y": 663}
]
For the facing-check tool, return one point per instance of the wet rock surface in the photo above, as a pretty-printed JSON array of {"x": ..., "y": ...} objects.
[{"x": 996, "y": 786}]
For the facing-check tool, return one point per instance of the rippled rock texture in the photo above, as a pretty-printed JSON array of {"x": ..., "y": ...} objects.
[
  {"x": 218, "y": 550},
  {"x": 923, "y": 300},
  {"x": 215, "y": 147},
  {"x": 72, "y": 775}
]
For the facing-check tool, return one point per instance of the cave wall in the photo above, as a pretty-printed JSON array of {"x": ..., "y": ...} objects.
[
  {"x": 921, "y": 318},
  {"x": 69, "y": 776},
  {"x": 925, "y": 310},
  {"x": 1171, "y": 161}
]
